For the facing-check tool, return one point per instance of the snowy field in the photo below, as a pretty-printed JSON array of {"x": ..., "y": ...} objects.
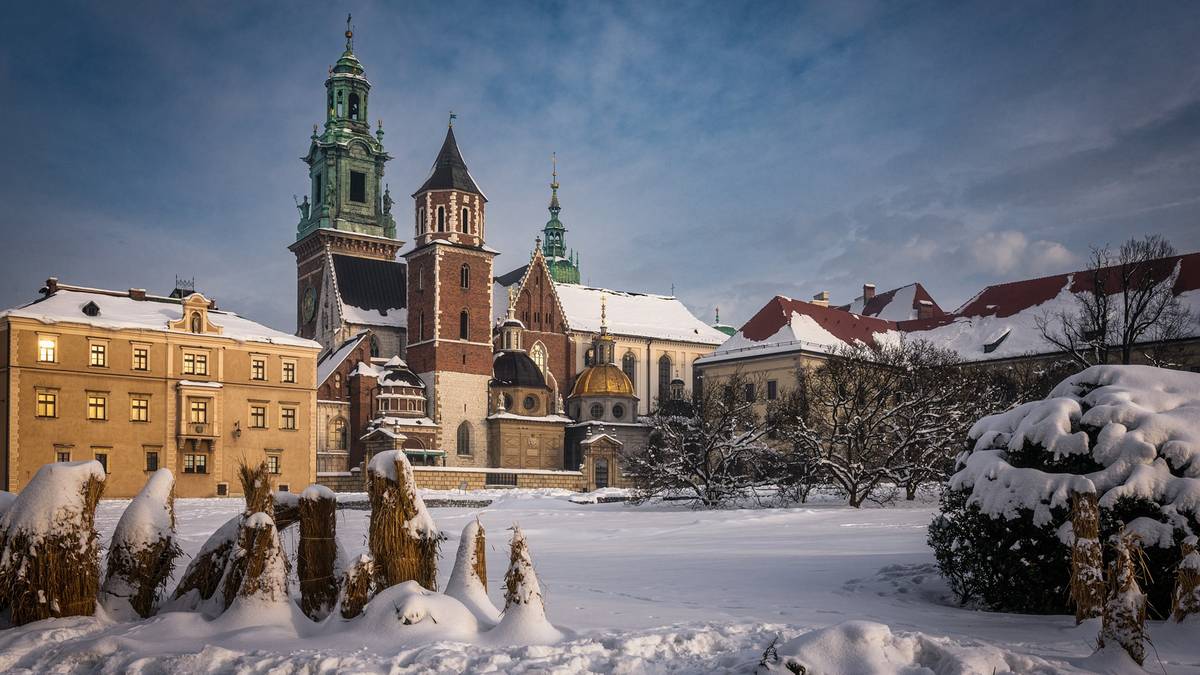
[{"x": 648, "y": 589}]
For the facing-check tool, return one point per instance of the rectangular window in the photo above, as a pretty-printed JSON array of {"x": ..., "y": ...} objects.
[
  {"x": 750, "y": 393},
  {"x": 47, "y": 404},
  {"x": 139, "y": 409},
  {"x": 195, "y": 463},
  {"x": 288, "y": 418},
  {"x": 102, "y": 457},
  {"x": 99, "y": 355},
  {"x": 318, "y": 192},
  {"x": 258, "y": 417},
  {"x": 62, "y": 456},
  {"x": 358, "y": 187},
  {"x": 47, "y": 348},
  {"x": 289, "y": 372},
  {"x": 141, "y": 358},
  {"x": 772, "y": 390},
  {"x": 97, "y": 407},
  {"x": 273, "y": 464},
  {"x": 152, "y": 460},
  {"x": 258, "y": 369},
  {"x": 198, "y": 411},
  {"x": 195, "y": 364}
]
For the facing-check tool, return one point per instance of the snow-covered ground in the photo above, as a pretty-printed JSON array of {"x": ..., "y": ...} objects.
[{"x": 653, "y": 588}]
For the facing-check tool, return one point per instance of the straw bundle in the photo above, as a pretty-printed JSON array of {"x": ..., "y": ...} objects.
[
  {"x": 206, "y": 570},
  {"x": 1087, "y": 558},
  {"x": 256, "y": 486},
  {"x": 261, "y": 569},
  {"x": 49, "y": 549},
  {"x": 521, "y": 586},
  {"x": 142, "y": 555},
  {"x": 317, "y": 552},
  {"x": 1187, "y": 582},
  {"x": 356, "y": 586},
  {"x": 403, "y": 539},
  {"x": 1124, "y": 618},
  {"x": 468, "y": 580}
]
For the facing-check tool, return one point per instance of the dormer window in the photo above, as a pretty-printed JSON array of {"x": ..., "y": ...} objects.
[
  {"x": 992, "y": 346},
  {"x": 91, "y": 309}
]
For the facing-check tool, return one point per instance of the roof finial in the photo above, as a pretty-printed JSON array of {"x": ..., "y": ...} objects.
[
  {"x": 603, "y": 313},
  {"x": 349, "y": 35},
  {"x": 718, "y": 316},
  {"x": 452, "y": 116},
  {"x": 512, "y": 303},
  {"x": 554, "y": 171}
]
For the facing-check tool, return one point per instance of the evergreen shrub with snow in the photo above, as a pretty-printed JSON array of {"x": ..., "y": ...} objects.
[{"x": 1128, "y": 434}]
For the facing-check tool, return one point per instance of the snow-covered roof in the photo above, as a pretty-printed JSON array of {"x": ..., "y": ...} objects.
[
  {"x": 119, "y": 311},
  {"x": 371, "y": 292},
  {"x": 898, "y": 304},
  {"x": 999, "y": 322},
  {"x": 333, "y": 358},
  {"x": 635, "y": 314}
]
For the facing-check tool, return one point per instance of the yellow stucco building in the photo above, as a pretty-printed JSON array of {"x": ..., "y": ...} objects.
[{"x": 139, "y": 382}]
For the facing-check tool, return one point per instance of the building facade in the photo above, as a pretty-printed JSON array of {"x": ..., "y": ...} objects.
[{"x": 138, "y": 382}]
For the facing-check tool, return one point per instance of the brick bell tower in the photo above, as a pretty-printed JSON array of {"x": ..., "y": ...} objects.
[{"x": 450, "y": 304}]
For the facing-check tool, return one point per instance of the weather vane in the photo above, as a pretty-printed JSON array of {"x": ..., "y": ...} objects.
[{"x": 452, "y": 116}]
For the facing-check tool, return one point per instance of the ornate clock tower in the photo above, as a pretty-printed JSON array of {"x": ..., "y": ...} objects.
[{"x": 348, "y": 278}]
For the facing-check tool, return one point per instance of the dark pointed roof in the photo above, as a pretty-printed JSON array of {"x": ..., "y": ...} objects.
[
  {"x": 367, "y": 283},
  {"x": 449, "y": 170}
]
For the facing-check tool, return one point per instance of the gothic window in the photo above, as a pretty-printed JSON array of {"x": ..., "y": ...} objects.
[
  {"x": 664, "y": 375},
  {"x": 421, "y": 220},
  {"x": 629, "y": 367},
  {"x": 358, "y": 187},
  {"x": 337, "y": 433},
  {"x": 539, "y": 356},
  {"x": 463, "y": 325},
  {"x": 374, "y": 346},
  {"x": 464, "y": 276},
  {"x": 464, "y": 438},
  {"x": 441, "y": 218},
  {"x": 466, "y": 221},
  {"x": 354, "y": 107}
]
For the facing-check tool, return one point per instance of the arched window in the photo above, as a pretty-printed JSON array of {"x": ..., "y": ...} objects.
[
  {"x": 465, "y": 225},
  {"x": 337, "y": 433},
  {"x": 664, "y": 376},
  {"x": 464, "y": 276},
  {"x": 374, "y": 346},
  {"x": 464, "y": 438},
  {"x": 421, "y": 326},
  {"x": 538, "y": 353},
  {"x": 196, "y": 323},
  {"x": 354, "y": 107},
  {"x": 629, "y": 367},
  {"x": 441, "y": 217},
  {"x": 464, "y": 325},
  {"x": 341, "y": 109},
  {"x": 421, "y": 220}
]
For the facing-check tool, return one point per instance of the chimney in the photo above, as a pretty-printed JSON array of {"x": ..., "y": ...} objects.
[
  {"x": 868, "y": 292},
  {"x": 137, "y": 293},
  {"x": 925, "y": 309},
  {"x": 821, "y": 299},
  {"x": 51, "y": 286}
]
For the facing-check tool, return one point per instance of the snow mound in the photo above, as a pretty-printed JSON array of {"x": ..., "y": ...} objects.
[
  {"x": 862, "y": 647},
  {"x": 1137, "y": 424},
  {"x": 414, "y": 614},
  {"x": 465, "y": 585}
]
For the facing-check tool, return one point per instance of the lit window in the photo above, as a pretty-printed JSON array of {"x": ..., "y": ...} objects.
[
  {"x": 539, "y": 356},
  {"x": 198, "y": 410},
  {"x": 195, "y": 364},
  {"x": 273, "y": 464},
  {"x": 195, "y": 463},
  {"x": 139, "y": 409},
  {"x": 258, "y": 369},
  {"x": 47, "y": 404},
  {"x": 97, "y": 407},
  {"x": 99, "y": 355},
  {"x": 47, "y": 349},
  {"x": 258, "y": 417},
  {"x": 102, "y": 457},
  {"x": 288, "y": 418},
  {"x": 152, "y": 460},
  {"x": 337, "y": 433},
  {"x": 141, "y": 358},
  {"x": 289, "y": 372}
]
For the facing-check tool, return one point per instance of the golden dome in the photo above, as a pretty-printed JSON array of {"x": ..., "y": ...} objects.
[{"x": 602, "y": 379}]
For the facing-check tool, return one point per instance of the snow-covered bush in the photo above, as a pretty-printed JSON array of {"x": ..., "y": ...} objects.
[
  {"x": 355, "y": 589},
  {"x": 1187, "y": 582},
  {"x": 1129, "y": 434},
  {"x": 1123, "y": 624},
  {"x": 403, "y": 538},
  {"x": 142, "y": 554},
  {"x": 468, "y": 581},
  {"x": 49, "y": 549}
]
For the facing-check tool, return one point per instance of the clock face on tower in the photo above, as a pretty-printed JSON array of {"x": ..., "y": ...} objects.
[{"x": 310, "y": 304}]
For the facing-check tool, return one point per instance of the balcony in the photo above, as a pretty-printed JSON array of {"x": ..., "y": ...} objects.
[{"x": 197, "y": 429}]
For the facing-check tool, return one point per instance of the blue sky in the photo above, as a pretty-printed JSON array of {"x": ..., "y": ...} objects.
[{"x": 733, "y": 150}]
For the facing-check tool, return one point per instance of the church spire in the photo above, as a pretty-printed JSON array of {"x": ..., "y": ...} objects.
[{"x": 562, "y": 266}]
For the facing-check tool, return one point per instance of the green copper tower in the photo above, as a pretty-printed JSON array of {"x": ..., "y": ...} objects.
[
  {"x": 563, "y": 266},
  {"x": 345, "y": 160}
]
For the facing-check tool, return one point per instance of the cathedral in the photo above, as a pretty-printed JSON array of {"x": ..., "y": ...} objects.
[{"x": 427, "y": 350}]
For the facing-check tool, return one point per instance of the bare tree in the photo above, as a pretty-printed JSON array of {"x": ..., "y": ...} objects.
[
  {"x": 710, "y": 448},
  {"x": 1128, "y": 300}
]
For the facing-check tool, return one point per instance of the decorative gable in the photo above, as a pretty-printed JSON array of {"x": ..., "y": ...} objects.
[{"x": 194, "y": 318}]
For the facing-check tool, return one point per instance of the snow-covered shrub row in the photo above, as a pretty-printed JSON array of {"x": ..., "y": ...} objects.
[{"x": 1129, "y": 434}]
